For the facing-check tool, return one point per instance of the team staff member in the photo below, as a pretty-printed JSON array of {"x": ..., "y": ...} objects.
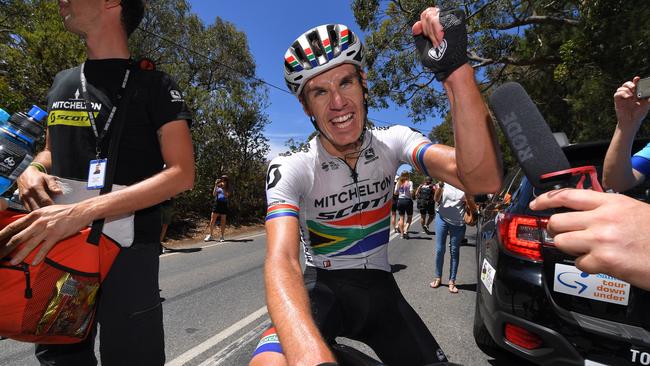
[
  {"x": 337, "y": 194},
  {"x": 156, "y": 134}
]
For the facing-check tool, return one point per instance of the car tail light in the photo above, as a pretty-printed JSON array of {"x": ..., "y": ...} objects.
[
  {"x": 522, "y": 337},
  {"x": 524, "y": 235}
]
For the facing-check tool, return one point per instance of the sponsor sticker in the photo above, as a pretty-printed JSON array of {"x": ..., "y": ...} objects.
[
  {"x": 601, "y": 287},
  {"x": 487, "y": 275}
]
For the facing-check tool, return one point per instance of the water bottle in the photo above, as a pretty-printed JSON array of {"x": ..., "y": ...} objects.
[{"x": 18, "y": 135}]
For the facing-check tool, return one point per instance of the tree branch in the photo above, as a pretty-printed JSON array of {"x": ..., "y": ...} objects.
[
  {"x": 482, "y": 61},
  {"x": 536, "y": 19}
]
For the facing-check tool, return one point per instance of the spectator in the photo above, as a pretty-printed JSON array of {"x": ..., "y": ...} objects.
[
  {"x": 449, "y": 221},
  {"x": 621, "y": 173},
  {"x": 219, "y": 207},
  {"x": 404, "y": 191},
  {"x": 426, "y": 204},
  {"x": 393, "y": 208}
]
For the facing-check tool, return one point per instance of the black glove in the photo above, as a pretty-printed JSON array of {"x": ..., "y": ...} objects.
[{"x": 452, "y": 52}]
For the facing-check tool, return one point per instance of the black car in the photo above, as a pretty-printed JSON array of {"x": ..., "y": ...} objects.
[{"x": 532, "y": 301}]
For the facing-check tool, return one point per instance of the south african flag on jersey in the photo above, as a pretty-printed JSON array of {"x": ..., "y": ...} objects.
[{"x": 355, "y": 234}]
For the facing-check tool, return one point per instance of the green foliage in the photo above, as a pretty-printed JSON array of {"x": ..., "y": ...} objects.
[
  {"x": 34, "y": 47},
  {"x": 569, "y": 55},
  {"x": 213, "y": 67}
]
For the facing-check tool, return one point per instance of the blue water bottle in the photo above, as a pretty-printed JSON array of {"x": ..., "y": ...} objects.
[{"x": 18, "y": 135}]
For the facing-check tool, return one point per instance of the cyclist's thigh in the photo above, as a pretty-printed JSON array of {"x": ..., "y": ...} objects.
[{"x": 399, "y": 335}]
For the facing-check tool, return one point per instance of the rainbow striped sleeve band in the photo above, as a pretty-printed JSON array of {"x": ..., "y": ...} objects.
[
  {"x": 276, "y": 211},
  {"x": 418, "y": 157}
]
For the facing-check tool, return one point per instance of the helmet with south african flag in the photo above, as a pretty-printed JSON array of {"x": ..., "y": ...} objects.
[{"x": 320, "y": 49}]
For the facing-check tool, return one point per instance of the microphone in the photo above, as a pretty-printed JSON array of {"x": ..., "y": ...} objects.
[{"x": 529, "y": 137}]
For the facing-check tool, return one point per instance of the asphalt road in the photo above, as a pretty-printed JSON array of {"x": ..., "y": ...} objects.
[{"x": 215, "y": 311}]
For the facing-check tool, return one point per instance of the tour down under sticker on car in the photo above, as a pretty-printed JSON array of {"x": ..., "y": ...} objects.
[
  {"x": 572, "y": 281},
  {"x": 487, "y": 275}
]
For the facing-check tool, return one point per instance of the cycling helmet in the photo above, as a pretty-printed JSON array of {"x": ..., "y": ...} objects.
[{"x": 318, "y": 50}]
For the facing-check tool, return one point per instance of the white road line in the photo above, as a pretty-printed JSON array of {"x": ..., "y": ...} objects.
[
  {"x": 216, "y": 339},
  {"x": 233, "y": 348},
  {"x": 215, "y": 244}
]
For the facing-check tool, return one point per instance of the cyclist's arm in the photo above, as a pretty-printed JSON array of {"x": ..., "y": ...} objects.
[
  {"x": 52, "y": 223},
  {"x": 477, "y": 159},
  {"x": 286, "y": 297},
  {"x": 618, "y": 173}
]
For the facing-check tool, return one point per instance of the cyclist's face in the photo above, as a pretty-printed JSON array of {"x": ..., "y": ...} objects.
[
  {"x": 335, "y": 99},
  {"x": 80, "y": 16}
]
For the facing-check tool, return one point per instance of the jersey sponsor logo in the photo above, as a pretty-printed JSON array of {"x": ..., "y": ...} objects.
[
  {"x": 352, "y": 209},
  {"x": 326, "y": 166},
  {"x": 69, "y": 118},
  {"x": 273, "y": 176},
  {"x": 361, "y": 190},
  {"x": 370, "y": 155},
  {"x": 176, "y": 96},
  {"x": 75, "y": 105}
]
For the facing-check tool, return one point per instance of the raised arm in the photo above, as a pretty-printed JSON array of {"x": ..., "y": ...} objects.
[
  {"x": 618, "y": 173},
  {"x": 475, "y": 164},
  {"x": 286, "y": 296}
]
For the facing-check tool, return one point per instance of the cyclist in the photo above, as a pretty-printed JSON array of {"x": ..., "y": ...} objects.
[
  {"x": 426, "y": 204},
  {"x": 337, "y": 194}
]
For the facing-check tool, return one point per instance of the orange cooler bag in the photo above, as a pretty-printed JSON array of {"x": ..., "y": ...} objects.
[{"x": 55, "y": 301}]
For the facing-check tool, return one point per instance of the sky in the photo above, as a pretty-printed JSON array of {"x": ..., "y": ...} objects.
[{"x": 271, "y": 26}]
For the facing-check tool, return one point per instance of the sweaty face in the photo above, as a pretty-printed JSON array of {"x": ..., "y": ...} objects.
[
  {"x": 79, "y": 16},
  {"x": 335, "y": 99}
]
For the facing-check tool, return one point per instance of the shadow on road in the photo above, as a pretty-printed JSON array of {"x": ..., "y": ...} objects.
[
  {"x": 394, "y": 268},
  {"x": 182, "y": 250},
  {"x": 238, "y": 240},
  {"x": 467, "y": 286}
]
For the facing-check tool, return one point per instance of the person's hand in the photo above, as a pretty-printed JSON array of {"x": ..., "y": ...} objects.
[
  {"x": 47, "y": 225},
  {"x": 608, "y": 232},
  {"x": 630, "y": 111},
  {"x": 441, "y": 40},
  {"x": 36, "y": 189}
]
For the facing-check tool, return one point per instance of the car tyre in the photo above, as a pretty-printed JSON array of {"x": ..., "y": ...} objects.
[{"x": 482, "y": 336}]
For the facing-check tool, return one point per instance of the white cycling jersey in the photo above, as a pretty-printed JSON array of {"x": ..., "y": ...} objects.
[{"x": 344, "y": 213}]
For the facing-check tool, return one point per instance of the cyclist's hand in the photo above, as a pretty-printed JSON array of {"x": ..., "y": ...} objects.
[
  {"x": 47, "y": 225},
  {"x": 630, "y": 111},
  {"x": 36, "y": 189},
  {"x": 441, "y": 40},
  {"x": 607, "y": 232}
]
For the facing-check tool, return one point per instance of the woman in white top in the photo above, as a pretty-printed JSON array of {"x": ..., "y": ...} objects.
[
  {"x": 404, "y": 192},
  {"x": 451, "y": 211}
]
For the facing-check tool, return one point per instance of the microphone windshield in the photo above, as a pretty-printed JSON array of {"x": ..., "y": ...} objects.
[{"x": 527, "y": 133}]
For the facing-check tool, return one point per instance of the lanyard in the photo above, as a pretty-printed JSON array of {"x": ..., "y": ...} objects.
[{"x": 91, "y": 115}]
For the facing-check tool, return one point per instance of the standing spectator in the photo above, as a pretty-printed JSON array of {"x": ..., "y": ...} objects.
[
  {"x": 155, "y": 161},
  {"x": 393, "y": 208},
  {"x": 451, "y": 211},
  {"x": 219, "y": 207},
  {"x": 404, "y": 192},
  {"x": 426, "y": 204},
  {"x": 620, "y": 172}
]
